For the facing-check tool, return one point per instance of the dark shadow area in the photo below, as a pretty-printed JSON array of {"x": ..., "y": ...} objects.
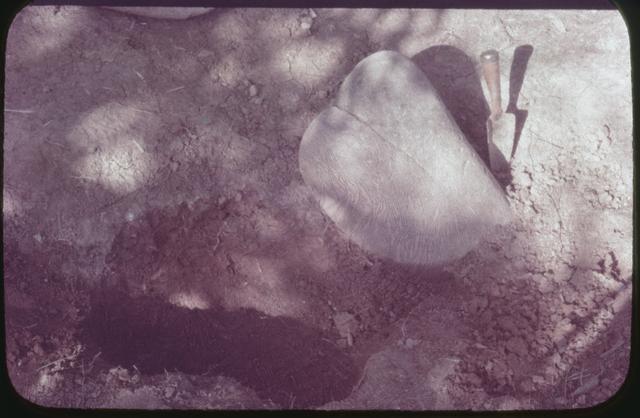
[
  {"x": 278, "y": 357},
  {"x": 504, "y": 178},
  {"x": 518, "y": 67},
  {"x": 455, "y": 78}
]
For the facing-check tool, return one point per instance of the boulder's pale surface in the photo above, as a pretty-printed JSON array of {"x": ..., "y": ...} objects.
[
  {"x": 177, "y": 13},
  {"x": 390, "y": 167}
]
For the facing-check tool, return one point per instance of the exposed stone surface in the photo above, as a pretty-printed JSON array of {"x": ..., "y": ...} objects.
[{"x": 393, "y": 171}]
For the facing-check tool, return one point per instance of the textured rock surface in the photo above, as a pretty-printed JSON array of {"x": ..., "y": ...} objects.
[{"x": 394, "y": 172}]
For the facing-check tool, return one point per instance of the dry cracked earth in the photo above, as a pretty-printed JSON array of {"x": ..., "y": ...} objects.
[{"x": 161, "y": 249}]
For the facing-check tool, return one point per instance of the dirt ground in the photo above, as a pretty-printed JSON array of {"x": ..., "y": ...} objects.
[{"x": 161, "y": 249}]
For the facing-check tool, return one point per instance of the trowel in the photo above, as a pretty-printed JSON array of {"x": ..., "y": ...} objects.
[{"x": 500, "y": 125}]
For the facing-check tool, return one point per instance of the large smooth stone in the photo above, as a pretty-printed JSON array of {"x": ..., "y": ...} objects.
[{"x": 389, "y": 166}]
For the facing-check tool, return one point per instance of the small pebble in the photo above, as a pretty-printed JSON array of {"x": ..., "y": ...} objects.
[
  {"x": 342, "y": 343},
  {"x": 473, "y": 379},
  {"x": 253, "y": 91},
  {"x": 37, "y": 349},
  {"x": 204, "y": 53},
  {"x": 305, "y": 25},
  {"x": 410, "y": 342},
  {"x": 527, "y": 385},
  {"x": 537, "y": 379},
  {"x": 604, "y": 197},
  {"x": 169, "y": 391}
]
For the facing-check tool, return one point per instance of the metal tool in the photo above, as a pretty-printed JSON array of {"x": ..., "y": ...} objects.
[{"x": 500, "y": 126}]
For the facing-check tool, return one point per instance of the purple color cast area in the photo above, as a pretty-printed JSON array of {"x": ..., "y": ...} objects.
[{"x": 280, "y": 358}]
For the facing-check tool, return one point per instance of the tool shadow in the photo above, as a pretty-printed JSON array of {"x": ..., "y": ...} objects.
[
  {"x": 455, "y": 77},
  {"x": 519, "y": 63}
]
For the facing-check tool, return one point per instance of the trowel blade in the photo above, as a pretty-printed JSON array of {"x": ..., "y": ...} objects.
[{"x": 500, "y": 135}]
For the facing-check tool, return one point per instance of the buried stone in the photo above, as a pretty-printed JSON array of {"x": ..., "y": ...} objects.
[
  {"x": 280, "y": 358},
  {"x": 390, "y": 167}
]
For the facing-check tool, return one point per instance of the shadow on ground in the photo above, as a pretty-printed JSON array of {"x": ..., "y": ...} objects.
[
  {"x": 455, "y": 78},
  {"x": 521, "y": 57},
  {"x": 278, "y": 357}
]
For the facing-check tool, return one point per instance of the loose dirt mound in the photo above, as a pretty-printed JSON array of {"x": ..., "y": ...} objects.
[{"x": 246, "y": 252}]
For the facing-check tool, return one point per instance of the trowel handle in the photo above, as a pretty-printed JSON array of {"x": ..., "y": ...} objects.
[{"x": 490, "y": 63}]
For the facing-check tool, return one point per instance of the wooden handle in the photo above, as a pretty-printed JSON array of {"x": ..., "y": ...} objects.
[{"x": 490, "y": 62}]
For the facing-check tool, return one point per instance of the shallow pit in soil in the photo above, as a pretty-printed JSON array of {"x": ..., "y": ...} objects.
[
  {"x": 238, "y": 288},
  {"x": 280, "y": 358}
]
